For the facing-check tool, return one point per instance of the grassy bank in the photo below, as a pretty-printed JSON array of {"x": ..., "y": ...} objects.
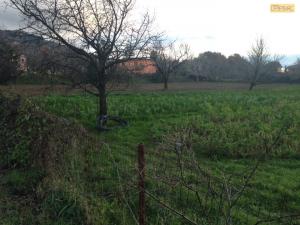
[{"x": 225, "y": 131}]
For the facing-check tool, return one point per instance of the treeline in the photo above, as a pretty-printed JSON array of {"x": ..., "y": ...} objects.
[
  {"x": 48, "y": 61},
  {"x": 214, "y": 66},
  {"x": 176, "y": 64},
  {"x": 44, "y": 61}
]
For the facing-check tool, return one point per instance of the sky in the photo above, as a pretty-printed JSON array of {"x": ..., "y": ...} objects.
[{"x": 228, "y": 27}]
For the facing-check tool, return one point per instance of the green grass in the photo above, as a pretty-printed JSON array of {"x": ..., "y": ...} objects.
[
  {"x": 227, "y": 131},
  {"x": 230, "y": 123}
]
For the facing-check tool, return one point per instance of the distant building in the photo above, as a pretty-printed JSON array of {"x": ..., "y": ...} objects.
[
  {"x": 293, "y": 68},
  {"x": 141, "y": 66},
  {"x": 23, "y": 65}
]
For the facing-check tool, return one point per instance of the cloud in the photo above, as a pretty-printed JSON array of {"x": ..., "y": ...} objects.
[
  {"x": 229, "y": 26},
  {"x": 209, "y": 37}
]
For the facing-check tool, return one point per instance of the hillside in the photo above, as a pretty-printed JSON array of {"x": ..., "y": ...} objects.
[{"x": 20, "y": 37}]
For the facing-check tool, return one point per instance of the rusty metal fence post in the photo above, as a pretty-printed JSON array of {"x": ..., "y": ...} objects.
[{"x": 141, "y": 184}]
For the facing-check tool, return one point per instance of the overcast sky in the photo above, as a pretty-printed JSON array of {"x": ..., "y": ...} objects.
[{"x": 227, "y": 26}]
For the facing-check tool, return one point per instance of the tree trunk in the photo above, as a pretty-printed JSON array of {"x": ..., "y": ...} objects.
[
  {"x": 252, "y": 85},
  {"x": 166, "y": 83},
  {"x": 102, "y": 111},
  {"x": 102, "y": 101}
]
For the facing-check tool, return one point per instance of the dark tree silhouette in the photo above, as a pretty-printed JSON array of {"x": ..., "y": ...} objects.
[
  {"x": 101, "y": 32},
  {"x": 168, "y": 57},
  {"x": 8, "y": 63}
]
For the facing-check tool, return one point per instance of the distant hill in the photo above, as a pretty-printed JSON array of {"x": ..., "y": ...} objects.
[
  {"x": 24, "y": 41},
  {"x": 20, "y": 37},
  {"x": 36, "y": 53}
]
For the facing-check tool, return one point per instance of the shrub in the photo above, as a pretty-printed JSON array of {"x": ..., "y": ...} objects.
[{"x": 8, "y": 63}]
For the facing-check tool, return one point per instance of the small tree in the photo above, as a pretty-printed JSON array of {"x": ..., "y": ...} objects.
[
  {"x": 101, "y": 32},
  {"x": 8, "y": 63},
  {"x": 196, "y": 69},
  {"x": 168, "y": 57},
  {"x": 258, "y": 59}
]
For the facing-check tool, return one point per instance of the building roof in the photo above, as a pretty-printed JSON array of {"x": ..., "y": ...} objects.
[{"x": 141, "y": 66}]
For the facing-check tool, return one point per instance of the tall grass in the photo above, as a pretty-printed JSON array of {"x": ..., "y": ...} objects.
[{"x": 228, "y": 130}]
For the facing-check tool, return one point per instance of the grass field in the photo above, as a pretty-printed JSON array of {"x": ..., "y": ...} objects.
[
  {"x": 36, "y": 90},
  {"x": 225, "y": 131},
  {"x": 229, "y": 130}
]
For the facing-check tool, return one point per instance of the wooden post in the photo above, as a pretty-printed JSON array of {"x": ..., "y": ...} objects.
[{"x": 141, "y": 184}]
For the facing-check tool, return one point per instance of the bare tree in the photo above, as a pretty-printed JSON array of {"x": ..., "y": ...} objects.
[
  {"x": 258, "y": 58},
  {"x": 168, "y": 57},
  {"x": 101, "y": 32},
  {"x": 196, "y": 69}
]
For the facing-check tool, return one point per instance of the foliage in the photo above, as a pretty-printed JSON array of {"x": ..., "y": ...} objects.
[
  {"x": 212, "y": 65},
  {"x": 34, "y": 78},
  {"x": 42, "y": 165},
  {"x": 238, "y": 67},
  {"x": 8, "y": 63}
]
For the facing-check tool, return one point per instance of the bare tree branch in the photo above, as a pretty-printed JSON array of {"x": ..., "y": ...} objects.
[{"x": 100, "y": 31}]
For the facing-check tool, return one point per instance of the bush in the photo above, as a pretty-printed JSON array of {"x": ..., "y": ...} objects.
[
  {"x": 43, "y": 164},
  {"x": 8, "y": 63}
]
